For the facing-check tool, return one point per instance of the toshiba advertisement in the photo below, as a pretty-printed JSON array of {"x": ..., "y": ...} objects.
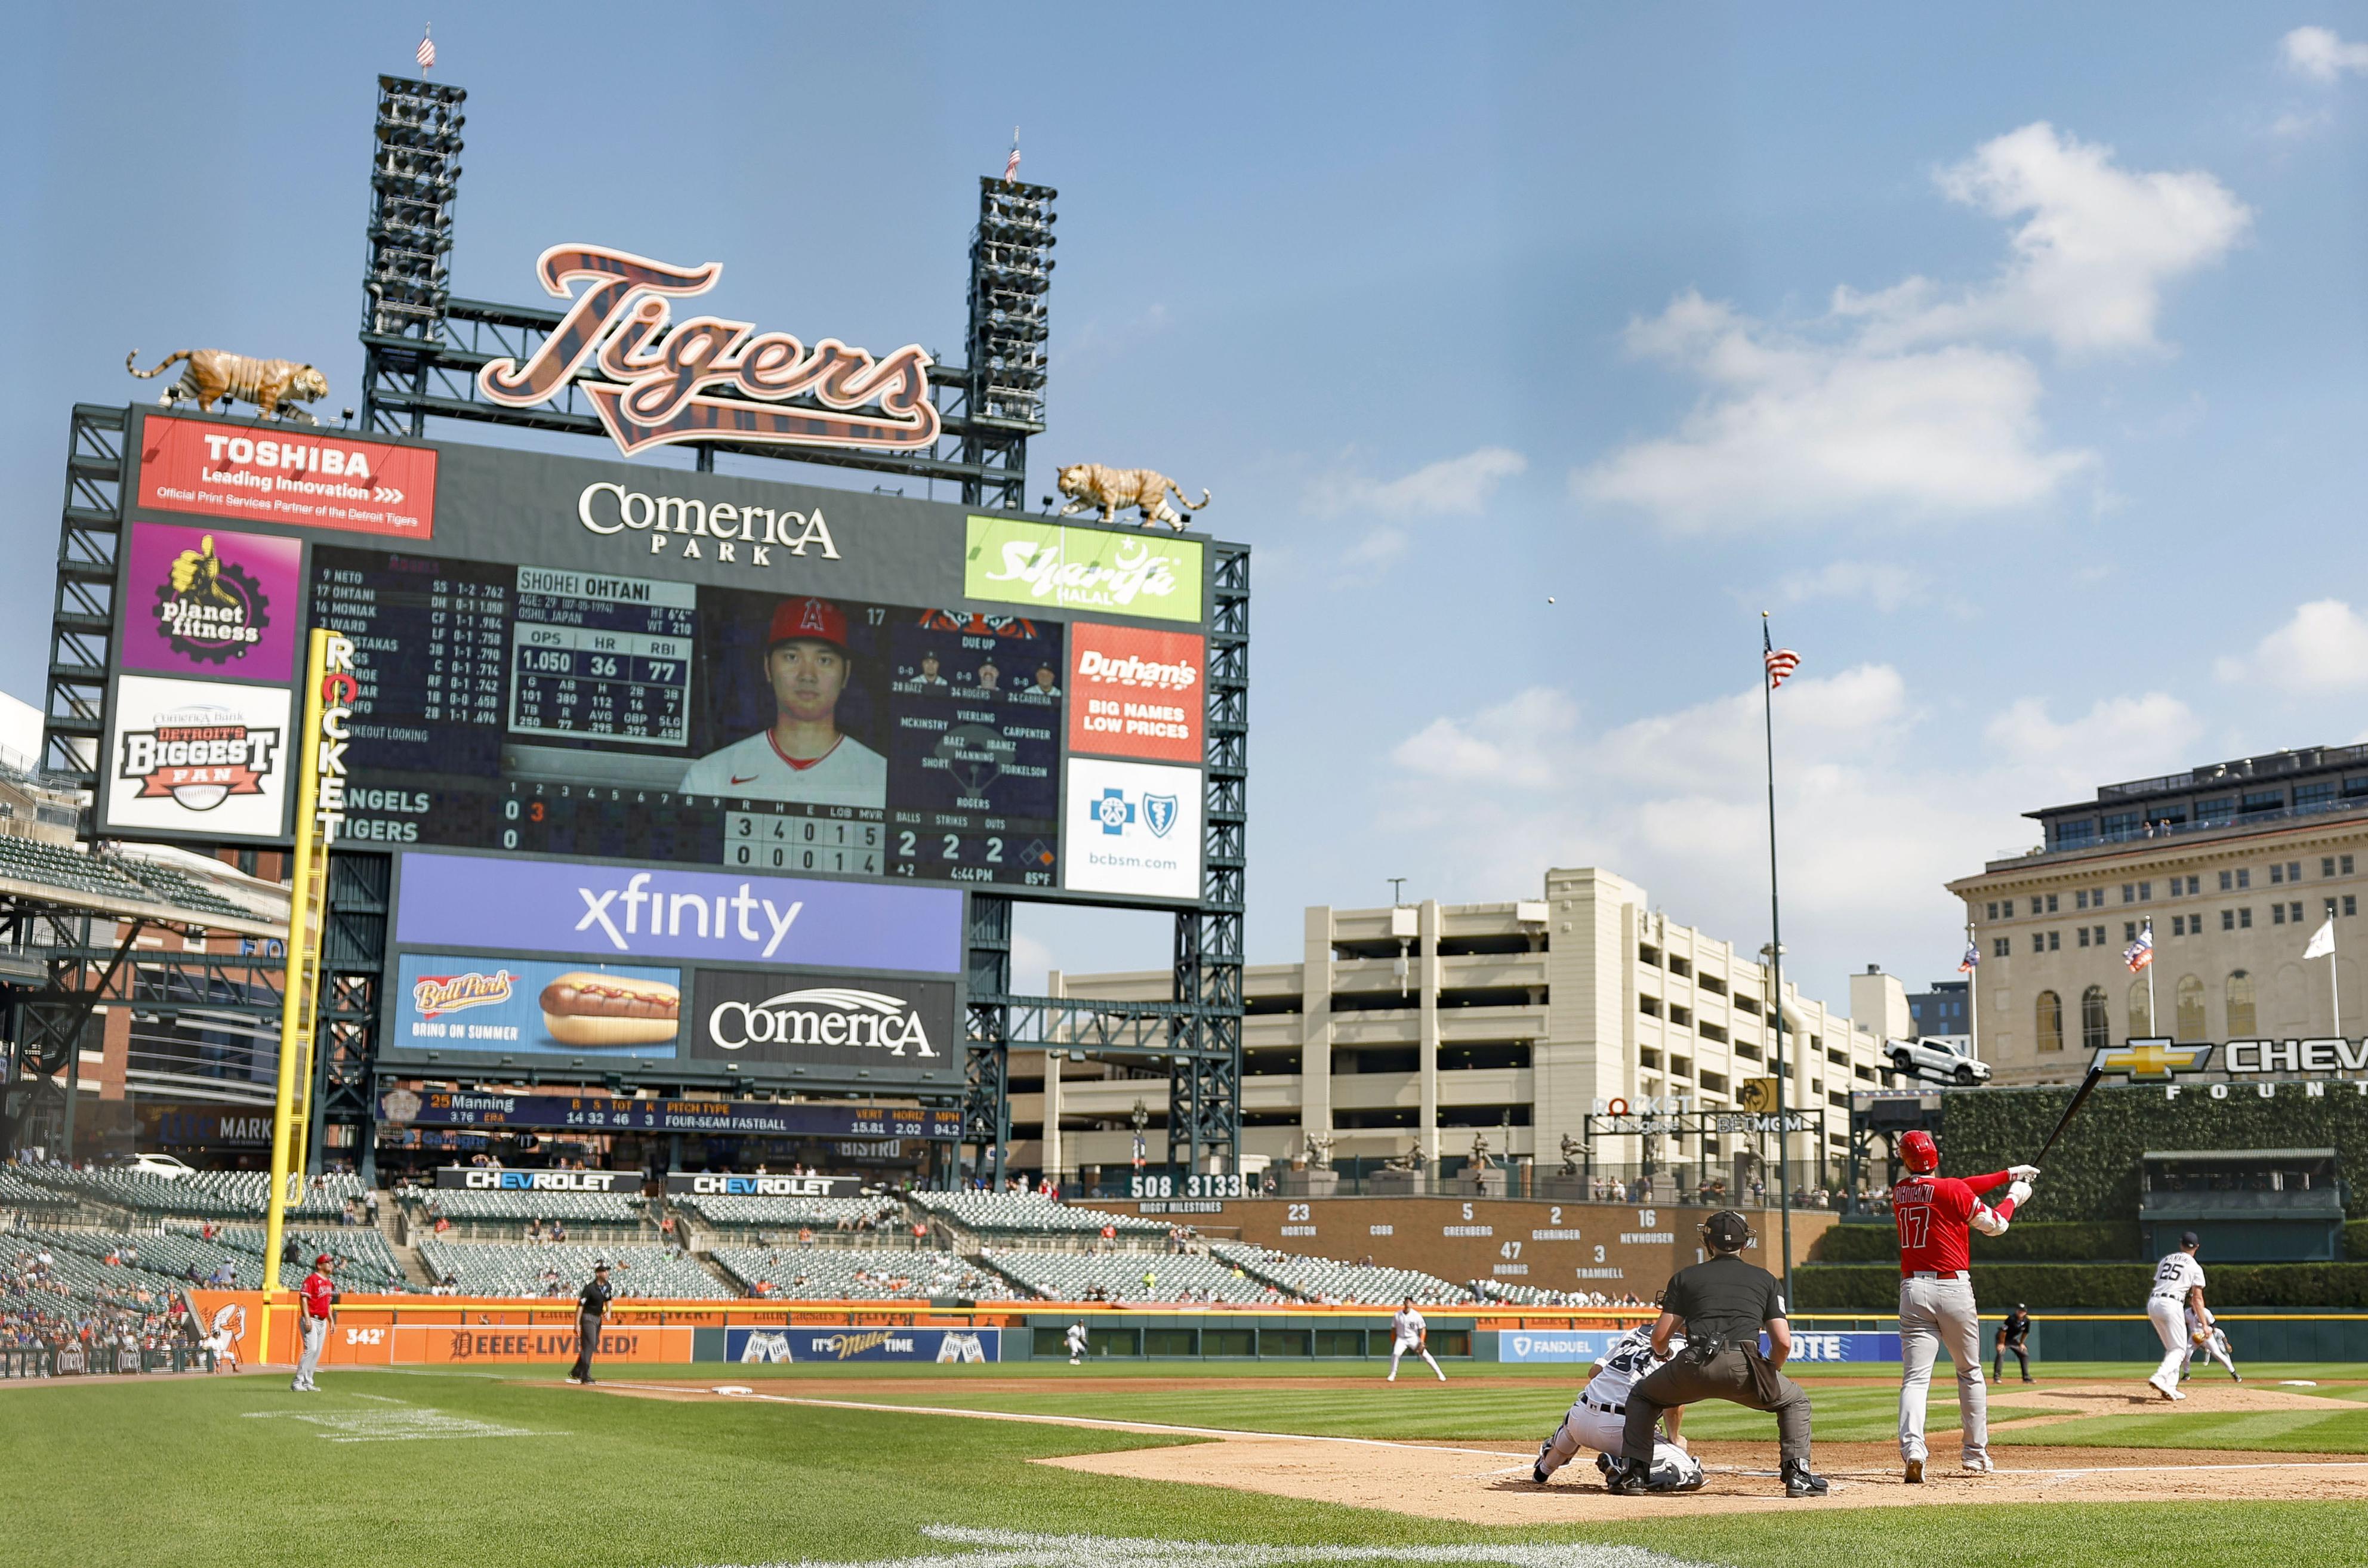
[{"x": 314, "y": 479}]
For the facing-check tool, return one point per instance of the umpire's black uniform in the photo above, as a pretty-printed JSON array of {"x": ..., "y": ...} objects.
[
  {"x": 2013, "y": 1336},
  {"x": 1721, "y": 1304},
  {"x": 591, "y": 1307}
]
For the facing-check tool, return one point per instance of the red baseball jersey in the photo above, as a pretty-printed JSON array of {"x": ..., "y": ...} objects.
[
  {"x": 317, "y": 1293},
  {"x": 1934, "y": 1213}
]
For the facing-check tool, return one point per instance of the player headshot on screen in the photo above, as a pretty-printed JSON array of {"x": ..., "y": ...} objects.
[
  {"x": 803, "y": 757},
  {"x": 988, "y": 675},
  {"x": 929, "y": 675},
  {"x": 1044, "y": 681}
]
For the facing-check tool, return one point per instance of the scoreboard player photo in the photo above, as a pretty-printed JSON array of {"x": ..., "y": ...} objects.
[{"x": 804, "y": 755}]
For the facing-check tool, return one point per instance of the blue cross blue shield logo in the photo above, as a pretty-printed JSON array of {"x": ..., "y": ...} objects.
[
  {"x": 1113, "y": 811},
  {"x": 1159, "y": 815}
]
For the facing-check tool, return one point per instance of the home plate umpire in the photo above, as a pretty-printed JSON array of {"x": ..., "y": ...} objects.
[{"x": 1720, "y": 1304}]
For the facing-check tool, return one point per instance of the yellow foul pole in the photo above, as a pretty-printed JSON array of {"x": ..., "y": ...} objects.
[{"x": 326, "y": 683}]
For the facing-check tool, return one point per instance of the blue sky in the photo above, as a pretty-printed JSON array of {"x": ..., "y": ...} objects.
[{"x": 2014, "y": 361}]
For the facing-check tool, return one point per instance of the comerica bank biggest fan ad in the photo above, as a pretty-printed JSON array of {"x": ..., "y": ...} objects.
[{"x": 632, "y": 928}]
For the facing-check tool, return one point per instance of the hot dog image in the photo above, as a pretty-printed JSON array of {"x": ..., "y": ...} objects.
[{"x": 582, "y": 1007}]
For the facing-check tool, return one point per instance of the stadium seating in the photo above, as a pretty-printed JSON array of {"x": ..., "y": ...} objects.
[
  {"x": 1180, "y": 1278},
  {"x": 1026, "y": 1213},
  {"x": 1536, "y": 1296},
  {"x": 23, "y": 1194},
  {"x": 743, "y": 1213},
  {"x": 203, "y": 1194},
  {"x": 858, "y": 1274},
  {"x": 522, "y": 1268},
  {"x": 1324, "y": 1279},
  {"x": 519, "y": 1207}
]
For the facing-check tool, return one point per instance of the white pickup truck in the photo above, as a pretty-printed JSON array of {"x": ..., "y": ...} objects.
[{"x": 1938, "y": 1060}]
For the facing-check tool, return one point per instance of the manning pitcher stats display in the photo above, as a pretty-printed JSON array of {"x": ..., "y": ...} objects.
[{"x": 598, "y": 660}]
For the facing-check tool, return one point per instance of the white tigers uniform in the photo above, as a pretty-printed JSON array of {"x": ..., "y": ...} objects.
[
  {"x": 1407, "y": 1327},
  {"x": 1598, "y": 1418},
  {"x": 2206, "y": 1338},
  {"x": 1075, "y": 1340},
  {"x": 2174, "y": 1277},
  {"x": 849, "y": 774}
]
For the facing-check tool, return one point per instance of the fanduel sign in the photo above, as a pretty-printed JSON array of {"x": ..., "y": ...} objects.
[
  {"x": 545, "y": 906},
  {"x": 644, "y": 372}
]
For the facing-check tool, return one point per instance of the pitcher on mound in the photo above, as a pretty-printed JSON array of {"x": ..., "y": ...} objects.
[{"x": 1935, "y": 1214}]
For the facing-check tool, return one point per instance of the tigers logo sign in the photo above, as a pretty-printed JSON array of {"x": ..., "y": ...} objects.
[{"x": 655, "y": 380}]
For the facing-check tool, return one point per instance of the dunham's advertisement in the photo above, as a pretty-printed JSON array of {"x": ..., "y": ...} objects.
[
  {"x": 1134, "y": 829},
  {"x": 1135, "y": 693},
  {"x": 533, "y": 1005},
  {"x": 198, "y": 756},
  {"x": 212, "y": 602},
  {"x": 328, "y": 480}
]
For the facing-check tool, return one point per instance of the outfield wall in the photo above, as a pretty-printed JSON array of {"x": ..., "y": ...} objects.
[
  {"x": 1613, "y": 1248},
  {"x": 448, "y": 1331}
]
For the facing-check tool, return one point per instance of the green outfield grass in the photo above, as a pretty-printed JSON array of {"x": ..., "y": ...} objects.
[{"x": 162, "y": 1473}]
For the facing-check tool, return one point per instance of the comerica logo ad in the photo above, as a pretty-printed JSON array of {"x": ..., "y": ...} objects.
[{"x": 822, "y": 1016}]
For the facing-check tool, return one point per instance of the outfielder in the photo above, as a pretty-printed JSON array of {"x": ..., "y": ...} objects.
[
  {"x": 1598, "y": 1419},
  {"x": 320, "y": 1298},
  {"x": 2177, "y": 1292},
  {"x": 1409, "y": 1331},
  {"x": 2205, "y": 1339},
  {"x": 1075, "y": 1340},
  {"x": 1935, "y": 1215}
]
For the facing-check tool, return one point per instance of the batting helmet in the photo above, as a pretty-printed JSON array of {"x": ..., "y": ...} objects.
[
  {"x": 322, "y": 1261},
  {"x": 1918, "y": 1152}
]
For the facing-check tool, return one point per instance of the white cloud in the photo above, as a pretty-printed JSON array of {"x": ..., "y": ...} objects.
[
  {"x": 1885, "y": 586},
  {"x": 1452, "y": 487},
  {"x": 2093, "y": 248},
  {"x": 1792, "y": 429},
  {"x": 1877, "y": 806},
  {"x": 2324, "y": 647},
  {"x": 1901, "y": 401},
  {"x": 2320, "y": 55}
]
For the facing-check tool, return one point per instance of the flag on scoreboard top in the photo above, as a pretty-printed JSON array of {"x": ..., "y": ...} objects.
[
  {"x": 1965, "y": 965},
  {"x": 426, "y": 51},
  {"x": 2141, "y": 952},
  {"x": 1011, "y": 164}
]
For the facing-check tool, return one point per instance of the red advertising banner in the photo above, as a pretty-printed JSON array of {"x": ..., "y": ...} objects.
[
  {"x": 315, "y": 479},
  {"x": 1134, "y": 693}
]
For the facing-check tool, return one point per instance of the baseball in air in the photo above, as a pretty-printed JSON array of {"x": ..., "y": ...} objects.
[{"x": 1549, "y": 598}]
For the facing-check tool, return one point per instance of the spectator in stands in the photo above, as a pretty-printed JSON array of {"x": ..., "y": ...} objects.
[
  {"x": 369, "y": 1205},
  {"x": 806, "y": 1235},
  {"x": 559, "y": 1232}
]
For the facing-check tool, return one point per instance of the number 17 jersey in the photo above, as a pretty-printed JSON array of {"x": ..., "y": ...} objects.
[{"x": 1934, "y": 1214}]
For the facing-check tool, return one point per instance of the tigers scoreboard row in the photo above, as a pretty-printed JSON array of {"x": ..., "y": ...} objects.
[{"x": 602, "y": 660}]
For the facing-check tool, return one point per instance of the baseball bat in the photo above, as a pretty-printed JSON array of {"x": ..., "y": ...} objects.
[{"x": 2086, "y": 1083}]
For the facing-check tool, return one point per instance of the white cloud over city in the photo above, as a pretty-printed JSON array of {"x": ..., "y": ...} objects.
[
  {"x": 2322, "y": 55},
  {"x": 1919, "y": 401},
  {"x": 1451, "y": 487}
]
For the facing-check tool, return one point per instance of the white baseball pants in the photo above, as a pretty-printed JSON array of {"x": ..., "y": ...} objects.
[
  {"x": 316, "y": 1338},
  {"x": 2170, "y": 1316},
  {"x": 1397, "y": 1353},
  {"x": 1937, "y": 1314},
  {"x": 1586, "y": 1427}
]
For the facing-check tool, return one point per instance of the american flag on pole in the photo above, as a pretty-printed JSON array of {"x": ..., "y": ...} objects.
[
  {"x": 1972, "y": 958},
  {"x": 2141, "y": 952},
  {"x": 1011, "y": 164},
  {"x": 1781, "y": 661},
  {"x": 426, "y": 55}
]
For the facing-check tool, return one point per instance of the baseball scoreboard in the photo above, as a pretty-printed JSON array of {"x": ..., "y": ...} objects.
[{"x": 654, "y": 749}]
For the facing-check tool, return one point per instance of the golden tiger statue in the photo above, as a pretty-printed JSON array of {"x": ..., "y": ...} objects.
[
  {"x": 275, "y": 386},
  {"x": 1115, "y": 489}
]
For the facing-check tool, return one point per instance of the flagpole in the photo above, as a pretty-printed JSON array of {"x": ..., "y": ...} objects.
[
  {"x": 1973, "y": 989},
  {"x": 1776, "y": 963},
  {"x": 2152, "y": 1028},
  {"x": 2334, "y": 989}
]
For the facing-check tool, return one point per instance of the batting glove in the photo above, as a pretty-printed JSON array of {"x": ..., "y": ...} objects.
[
  {"x": 2019, "y": 1194},
  {"x": 2023, "y": 1173}
]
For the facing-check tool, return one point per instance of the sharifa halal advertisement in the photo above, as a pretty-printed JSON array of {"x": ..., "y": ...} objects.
[{"x": 901, "y": 1029}]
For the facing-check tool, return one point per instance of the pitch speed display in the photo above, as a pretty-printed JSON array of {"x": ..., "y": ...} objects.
[{"x": 593, "y": 713}]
